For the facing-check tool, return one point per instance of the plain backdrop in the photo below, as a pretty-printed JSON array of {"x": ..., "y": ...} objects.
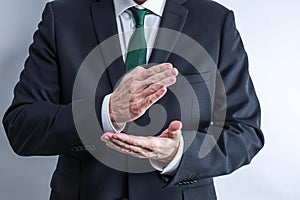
[{"x": 271, "y": 35}]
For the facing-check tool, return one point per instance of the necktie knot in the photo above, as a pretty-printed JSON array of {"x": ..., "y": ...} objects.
[{"x": 139, "y": 16}]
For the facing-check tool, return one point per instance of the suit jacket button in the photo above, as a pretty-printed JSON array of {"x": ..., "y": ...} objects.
[{"x": 165, "y": 178}]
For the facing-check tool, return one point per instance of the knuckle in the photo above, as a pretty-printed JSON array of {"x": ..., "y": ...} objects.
[
  {"x": 152, "y": 88},
  {"x": 165, "y": 82},
  {"x": 157, "y": 77},
  {"x": 159, "y": 68},
  {"x": 149, "y": 155},
  {"x": 135, "y": 109},
  {"x": 150, "y": 101},
  {"x": 168, "y": 72},
  {"x": 139, "y": 68},
  {"x": 141, "y": 156},
  {"x": 135, "y": 143},
  {"x": 149, "y": 71},
  {"x": 156, "y": 144},
  {"x": 132, "y": 89},
  {"x": 133, "y": 98},
  {"x": 139, "y": 71},
  {"x": 158, "y": 86},
  {"x": 132, "y": 79}
]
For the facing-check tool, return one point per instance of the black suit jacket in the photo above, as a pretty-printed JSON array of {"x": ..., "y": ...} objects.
[{"x": 40, "y": 119}]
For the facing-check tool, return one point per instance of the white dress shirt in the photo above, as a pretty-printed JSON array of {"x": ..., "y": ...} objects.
[{"x": 126, "y": 25}]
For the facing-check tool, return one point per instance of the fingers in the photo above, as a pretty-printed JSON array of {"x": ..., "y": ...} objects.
[
  {"x": 124, "y": 150},
  {"x": 123, "y": 147},
  {"x": 158, "y": 77},
  {"x": 134, "y": 143},
  {"x": 150, "y": 100},
  {"x": 153, "y": 93},
  {"x": 105, "y": 137},
  {"x": 132, "y": 150},
  {"x": 140, "y": 147},
  {"x": 142, "y": 142},
  {"x": 145, "y": 73},
  {"x": 163, "y": 75},
  {"x": 157, "y": 148},
  {"x": 152, "y": 88}
]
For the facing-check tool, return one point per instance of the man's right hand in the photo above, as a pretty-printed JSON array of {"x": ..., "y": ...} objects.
[{"x": 139, "y": 90}]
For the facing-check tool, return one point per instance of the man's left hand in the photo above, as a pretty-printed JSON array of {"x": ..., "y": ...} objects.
[{"x": 162, "y": 148}]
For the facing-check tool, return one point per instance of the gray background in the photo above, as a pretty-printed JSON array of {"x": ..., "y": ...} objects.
[{"x": 271, "y": 34}]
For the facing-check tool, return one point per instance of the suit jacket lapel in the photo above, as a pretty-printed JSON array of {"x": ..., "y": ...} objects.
[
  {"x": 173, "y": 18},
  {"x": 105, "y": 26}
]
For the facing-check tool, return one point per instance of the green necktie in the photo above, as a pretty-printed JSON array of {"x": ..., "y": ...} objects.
[{"x": 137, "y": 48}]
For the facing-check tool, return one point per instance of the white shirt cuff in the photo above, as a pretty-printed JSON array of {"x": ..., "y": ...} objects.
[
  {"x": 106, "y": 122},
  {"x": 173, "y": 165}
]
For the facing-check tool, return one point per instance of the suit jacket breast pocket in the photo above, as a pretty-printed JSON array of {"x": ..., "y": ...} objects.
[{"x": 193, "y": 96}]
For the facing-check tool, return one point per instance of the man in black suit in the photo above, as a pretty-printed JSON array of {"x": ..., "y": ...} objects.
[{"x": 41, "y": 119}]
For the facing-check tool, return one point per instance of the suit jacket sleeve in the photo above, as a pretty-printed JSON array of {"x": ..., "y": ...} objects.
[
  {"x": 241, "y": 137},
  {"x": 37, "y": 123}
]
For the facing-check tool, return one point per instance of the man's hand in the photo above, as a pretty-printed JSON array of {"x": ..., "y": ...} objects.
[
  {"x": 162, "y": 148},
  {"x": 138, "y": 90}
]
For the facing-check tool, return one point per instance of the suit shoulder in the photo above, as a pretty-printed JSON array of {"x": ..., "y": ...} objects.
[
  {"x": 70, "y": 10},
  {"x": 217, "y": 6},
  {"x": 208, "y": 6},
  {"x": 71, "y": 4}
]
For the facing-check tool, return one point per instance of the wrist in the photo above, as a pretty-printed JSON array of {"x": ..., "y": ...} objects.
[
  {"x": 117, "y": 125},
  {"x": 171, "y": 167},
  {"x": 110, "y": 109}
]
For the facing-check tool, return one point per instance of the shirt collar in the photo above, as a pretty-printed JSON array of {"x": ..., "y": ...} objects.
[{"x": 155, "y": 6}]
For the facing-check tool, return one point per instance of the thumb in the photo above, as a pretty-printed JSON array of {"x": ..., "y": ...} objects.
[{"x": 174, "y": 128}]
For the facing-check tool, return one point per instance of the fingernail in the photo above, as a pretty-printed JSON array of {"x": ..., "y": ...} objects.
[
  {"x": 104, "y": 138},
  {"x": 114, "y": 136},
  {"x": 169, "y": 65},
  {"x": 174, "y": 71},
  {"x": 162, "y": 90},
  {"x": 171, "y": 79}
]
